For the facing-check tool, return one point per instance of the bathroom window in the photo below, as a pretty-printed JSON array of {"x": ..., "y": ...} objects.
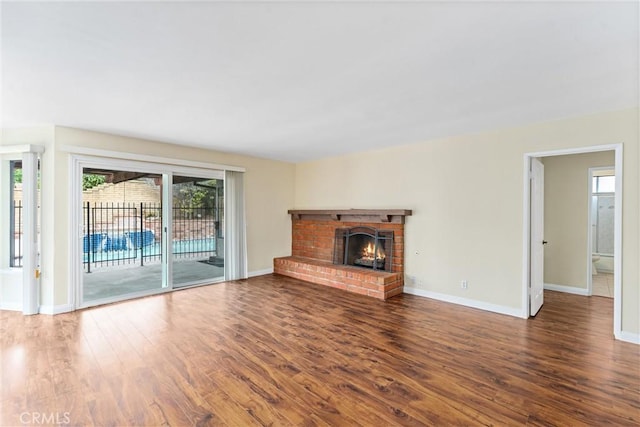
[{"x": 604, "y": 184}]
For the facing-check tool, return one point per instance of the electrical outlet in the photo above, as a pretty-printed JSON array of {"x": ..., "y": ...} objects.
[{"x": 464, "y": 284}]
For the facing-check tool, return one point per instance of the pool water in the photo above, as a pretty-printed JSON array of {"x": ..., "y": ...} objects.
[{"x": 180, "y": 248}]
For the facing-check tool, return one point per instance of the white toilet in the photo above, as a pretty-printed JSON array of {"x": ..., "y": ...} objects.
[{"x": 594, "y": 258}]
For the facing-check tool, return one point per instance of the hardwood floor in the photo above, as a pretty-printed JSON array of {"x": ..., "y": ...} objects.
[{"x": 276, "y": 351}]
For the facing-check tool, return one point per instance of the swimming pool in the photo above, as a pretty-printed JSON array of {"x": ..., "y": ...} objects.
[{"x": 129, "y": 252}]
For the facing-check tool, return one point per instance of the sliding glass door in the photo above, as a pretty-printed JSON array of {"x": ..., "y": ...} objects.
[
  {"x": 197, "y": 240},
  {"x": 147, "y": 228}
]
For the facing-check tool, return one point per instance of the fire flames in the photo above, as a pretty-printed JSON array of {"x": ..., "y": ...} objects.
[{"x": 368, "y": 255}]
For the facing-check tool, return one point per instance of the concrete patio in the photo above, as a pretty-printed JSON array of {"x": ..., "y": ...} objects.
[{"x": 109, "y": 282}]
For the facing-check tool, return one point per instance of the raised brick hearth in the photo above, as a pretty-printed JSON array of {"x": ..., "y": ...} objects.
[
  {"x": 313, "y": 234},
  {"x": 377, "y": 284}
]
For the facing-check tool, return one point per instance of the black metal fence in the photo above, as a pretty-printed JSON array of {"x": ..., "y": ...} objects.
[
  {"x": 15, "y": 250},
  {"x": 131, "y": 233}
]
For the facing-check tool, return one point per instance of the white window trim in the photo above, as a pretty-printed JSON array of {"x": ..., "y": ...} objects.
[
  {"x": 95, "y": 152},
  {"x": 19, "y": 149}
]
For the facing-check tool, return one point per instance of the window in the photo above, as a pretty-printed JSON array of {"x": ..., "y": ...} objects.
[
  {"x": 604, "y": 184},
  {"x": 15, "y": 213}
]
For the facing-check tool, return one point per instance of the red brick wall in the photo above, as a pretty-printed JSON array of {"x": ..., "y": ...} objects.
[{"x": 314, "y": 239}]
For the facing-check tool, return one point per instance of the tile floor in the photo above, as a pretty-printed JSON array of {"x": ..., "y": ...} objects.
[{"x": 602, "y": 285}]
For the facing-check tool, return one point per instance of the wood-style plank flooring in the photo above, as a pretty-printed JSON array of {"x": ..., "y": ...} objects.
[{"x": 277, "y": 351}]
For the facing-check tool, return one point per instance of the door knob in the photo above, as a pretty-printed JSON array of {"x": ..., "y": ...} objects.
[{"x": 544, "y": 242}]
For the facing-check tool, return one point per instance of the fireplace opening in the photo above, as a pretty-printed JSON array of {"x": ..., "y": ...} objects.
[{"x": 364, "y": 247}]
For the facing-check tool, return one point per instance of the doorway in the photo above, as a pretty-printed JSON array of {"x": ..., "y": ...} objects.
[{"x": 530, "y": 216}]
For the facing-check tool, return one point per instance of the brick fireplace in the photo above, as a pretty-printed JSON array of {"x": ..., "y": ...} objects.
[{"x": 316, "y": 240}]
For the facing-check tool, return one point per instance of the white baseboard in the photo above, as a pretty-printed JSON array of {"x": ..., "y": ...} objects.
[
  {"x": 566, "y": 289},
  {"x": 509, "y": 311},
  {"x": 11, "y": 306},
  {"x": 261, "y": 272},
  {"x": 622, "y": 336},
  {"x": 56, "y": 309},
  {"x": 628, "y": 337}
]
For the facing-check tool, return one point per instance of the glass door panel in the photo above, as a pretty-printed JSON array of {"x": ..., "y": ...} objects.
[
  {"x": 122, "y": 234},
  {"x": 197, "y": 230}
]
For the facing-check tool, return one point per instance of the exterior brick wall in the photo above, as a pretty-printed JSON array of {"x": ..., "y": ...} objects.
[{"x": 134, "y": 191}]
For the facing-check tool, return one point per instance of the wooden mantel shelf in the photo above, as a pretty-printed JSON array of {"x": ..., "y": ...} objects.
[{"x": 395, "y": 216}]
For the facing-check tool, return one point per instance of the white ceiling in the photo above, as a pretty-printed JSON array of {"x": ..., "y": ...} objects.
[{"x": 300, "y": 81}]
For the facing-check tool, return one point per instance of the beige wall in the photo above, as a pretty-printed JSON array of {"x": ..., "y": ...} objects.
[
  {"x": 467, "y": 196},
  {"x": 566, "y": 216}
]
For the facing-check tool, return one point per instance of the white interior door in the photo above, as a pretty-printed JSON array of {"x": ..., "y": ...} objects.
[{"x": 536, "y": 284}]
